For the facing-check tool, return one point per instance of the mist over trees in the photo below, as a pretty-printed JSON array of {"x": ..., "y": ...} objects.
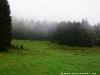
[
  {"x": 5, "y": 25},
  {"x": 34, "y": 30},
  {"x": 64, "y": 33}
]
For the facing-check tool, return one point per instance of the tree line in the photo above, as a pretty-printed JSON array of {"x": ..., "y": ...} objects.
[
  {"x": 33, "y": 30},
  {"x": 76, "y": 34},
  {"x": 64, "y": 33}
]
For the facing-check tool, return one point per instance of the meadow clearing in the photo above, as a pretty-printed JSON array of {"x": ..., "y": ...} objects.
[{"x": 46, "y": 58}]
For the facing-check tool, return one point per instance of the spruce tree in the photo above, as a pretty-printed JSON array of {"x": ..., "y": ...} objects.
[{"x": 5, "y": 25}]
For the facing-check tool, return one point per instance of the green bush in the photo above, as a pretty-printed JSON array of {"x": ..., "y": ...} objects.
[{"x": 21, "y": 47}]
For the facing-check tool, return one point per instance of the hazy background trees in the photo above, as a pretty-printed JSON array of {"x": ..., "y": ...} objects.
[
  {"x": 5, "y": 25},
  {"x": 77, "y": 34},
  {"x": 97, "y": 33},
  {"x": 64, "y": 33},
  {"x": 34, "y": 30}
]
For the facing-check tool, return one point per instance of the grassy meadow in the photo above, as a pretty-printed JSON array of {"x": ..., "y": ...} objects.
[{"x": 46, "y": 58}]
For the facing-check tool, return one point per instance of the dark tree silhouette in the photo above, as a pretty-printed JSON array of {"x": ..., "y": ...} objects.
[
  {"x": 74, "y": 34},
  {"x": 5, "y": 25}
]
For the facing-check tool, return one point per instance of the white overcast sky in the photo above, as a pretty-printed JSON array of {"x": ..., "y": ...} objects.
[{"x": 56, "y": 10}]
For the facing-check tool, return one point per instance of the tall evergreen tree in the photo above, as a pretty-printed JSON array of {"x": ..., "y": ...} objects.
[{"x": 5, "y": 25}]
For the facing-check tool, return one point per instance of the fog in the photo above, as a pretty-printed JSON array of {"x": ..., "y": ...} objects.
[
  {"x": 56, "y": 10},
  {"x": 25, "y": 29},
  {"x": 56, "y": 20}
]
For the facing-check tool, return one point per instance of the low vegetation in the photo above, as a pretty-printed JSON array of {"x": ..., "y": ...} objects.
[{"x": 46, "y": 58}]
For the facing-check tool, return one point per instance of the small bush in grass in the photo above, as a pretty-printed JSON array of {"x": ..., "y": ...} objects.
[
  {"x": 21, "y": 47},
  {"x": 12, "y": 46},
  {"x": 17, "y": 47}
]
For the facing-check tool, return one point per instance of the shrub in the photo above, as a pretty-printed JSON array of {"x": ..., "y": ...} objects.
[{"x": 21, "y": 47}]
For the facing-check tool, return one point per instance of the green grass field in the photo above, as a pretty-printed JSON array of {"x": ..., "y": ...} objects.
[{"x": 46, "y": 58}]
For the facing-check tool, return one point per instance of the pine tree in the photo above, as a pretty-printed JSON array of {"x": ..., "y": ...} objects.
[
  {"x": 5, "y": 25},
  {"x": 74, "y": 34}
]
